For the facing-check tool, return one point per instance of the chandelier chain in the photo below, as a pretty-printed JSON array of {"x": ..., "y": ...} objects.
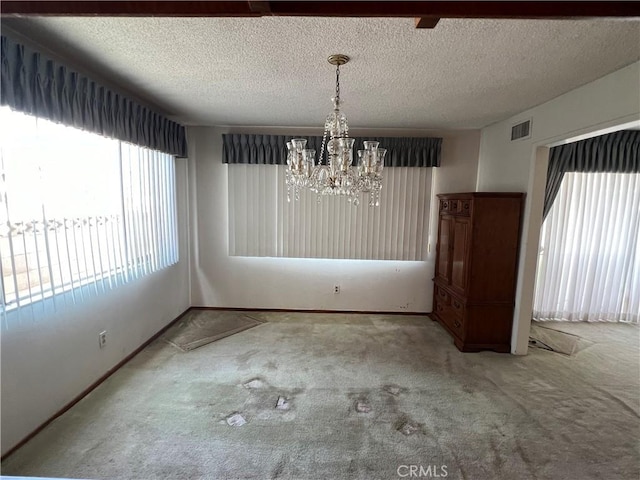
[
  {"x": 324, "y": 142},
  {"x": 338, "y": 82}
]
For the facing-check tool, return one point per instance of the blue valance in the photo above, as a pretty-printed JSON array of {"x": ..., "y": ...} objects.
[
  {"x": 272, "y": 149},
  {"x": 37, "y": 85},
  {"x": 617, "y": 152}
]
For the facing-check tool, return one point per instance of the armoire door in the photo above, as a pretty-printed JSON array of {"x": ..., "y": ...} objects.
[
  {"x": 443, "y": 269},
  {"x": 460, "y": 252}
]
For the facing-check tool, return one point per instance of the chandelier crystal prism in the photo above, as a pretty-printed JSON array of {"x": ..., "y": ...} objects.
[{"x": 336, "y": 175}]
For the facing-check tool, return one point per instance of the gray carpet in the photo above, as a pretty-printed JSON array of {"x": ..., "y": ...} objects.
[
  {"x": 200, "y": 327},
  {"x": 367, "y": 397}
]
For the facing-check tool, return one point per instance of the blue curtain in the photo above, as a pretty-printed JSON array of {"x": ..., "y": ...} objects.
[
  {"x": 34, "y": 84},
  {"x": 617, "y": 152},
  {"x": 272, "y": 149}
]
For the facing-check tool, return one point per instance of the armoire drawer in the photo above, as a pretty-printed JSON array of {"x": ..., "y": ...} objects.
[
  {"x": 454, "y": 322},
  {"x": 442, "y": 296},
  {"x": 448, "y": 316},
  {"x": 440, "y": 308},
  {"x": 457, "y": 306}
]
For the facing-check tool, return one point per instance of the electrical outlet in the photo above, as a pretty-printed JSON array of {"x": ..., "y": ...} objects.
[
  {"x": 102, "y": 339},
  {"x": 336, "y": 289}
]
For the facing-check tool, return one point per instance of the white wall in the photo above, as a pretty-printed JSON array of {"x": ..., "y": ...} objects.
[
  {"x": 248, "y": 282},
  {"x": 595, "y": 108},
  {"x": 49, "y": 361}
]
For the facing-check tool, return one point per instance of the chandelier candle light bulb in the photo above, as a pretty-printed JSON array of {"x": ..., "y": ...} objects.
[{"x": 337, "y": 176}]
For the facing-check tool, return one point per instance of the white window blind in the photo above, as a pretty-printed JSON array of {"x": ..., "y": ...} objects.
[
  {"x": 262, "y": 222},
  {"x": 589, "y": 263},
  {"x": 79, "y": 210}
]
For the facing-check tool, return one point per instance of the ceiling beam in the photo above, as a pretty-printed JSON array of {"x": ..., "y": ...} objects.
[
  {"x": 430, "y": 10},
  {"x": 427, "y": 22},
  {"x": 260, "y": 7},
  {"x": 134, "y": 8}
]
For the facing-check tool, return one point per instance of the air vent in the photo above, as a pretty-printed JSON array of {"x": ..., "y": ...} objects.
[{"x": 521, "y": 130}]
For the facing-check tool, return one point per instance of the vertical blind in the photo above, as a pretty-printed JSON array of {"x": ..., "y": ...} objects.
[
  {"x": 589, "y": 263},
  {"x": 263, "y": 223},
  {"x": 79, "y": 213}
]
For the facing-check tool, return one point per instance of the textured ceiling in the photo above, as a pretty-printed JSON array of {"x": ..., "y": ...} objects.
[{"x": 272, "y": 71}]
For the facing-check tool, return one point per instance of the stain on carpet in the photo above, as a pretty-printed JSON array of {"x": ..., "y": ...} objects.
[
  {"x": 407, "y": 427},
  {"x": 255, "y": 383},
  {"x": 278, "y": 470},
  {"x": 394, "y": 390},
  {"x": 282, "y": 403},
  {"x": 362, "y": 406},
  {"x": 236, "y": 420}
]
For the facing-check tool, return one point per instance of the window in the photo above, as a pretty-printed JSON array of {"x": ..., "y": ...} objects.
[
  {"x": 78, "y": 209},
  {"x": 589, "y": 262},
  {"x": 262, "y": 223}
]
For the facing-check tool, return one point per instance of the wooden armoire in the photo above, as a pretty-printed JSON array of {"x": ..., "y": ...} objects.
[{"x": 476, "y": 266}]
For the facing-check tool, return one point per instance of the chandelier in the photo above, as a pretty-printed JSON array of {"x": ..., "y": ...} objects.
[{"x": 336, "y": 175}]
